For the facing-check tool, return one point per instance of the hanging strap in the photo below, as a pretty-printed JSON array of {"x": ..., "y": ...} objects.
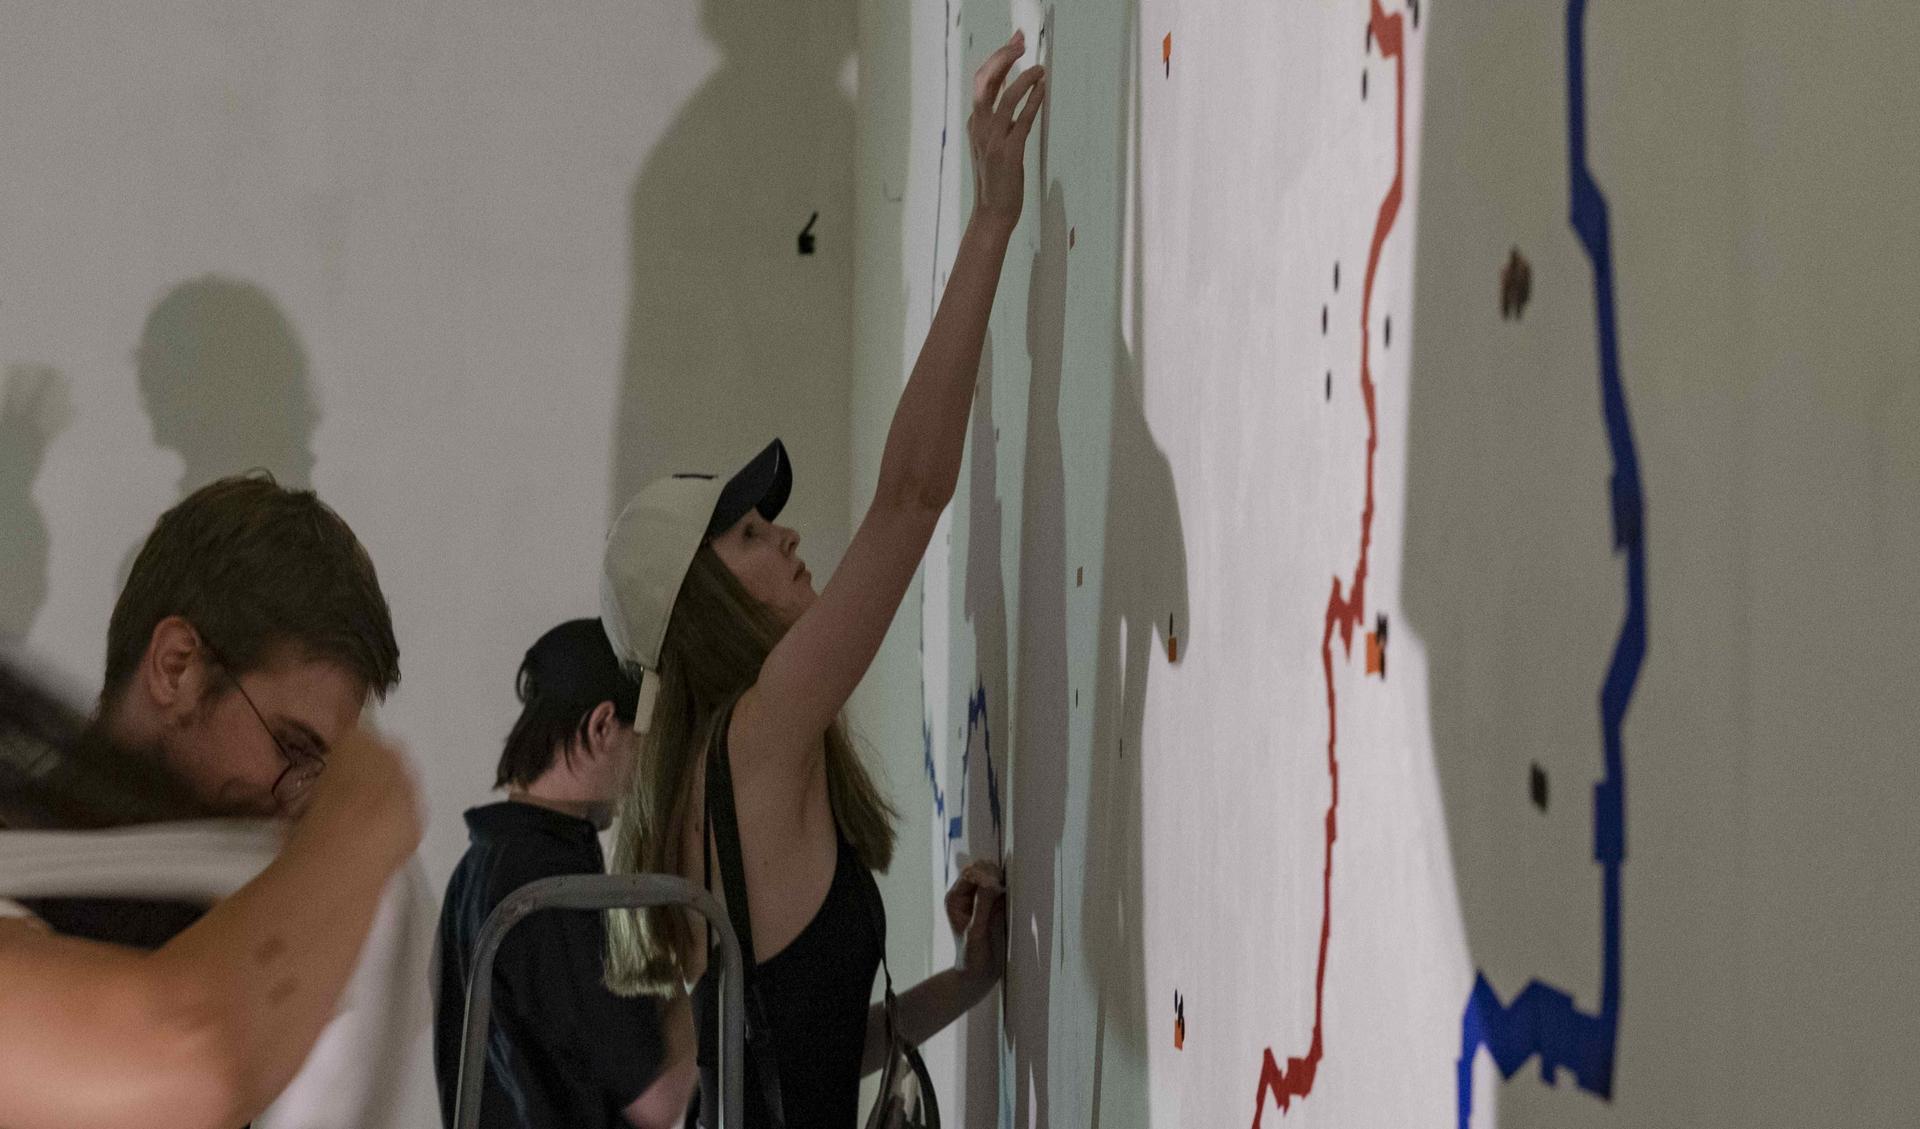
[
  {"x": 877, "y": 913},
  {"x": 761, "y": 1056}
]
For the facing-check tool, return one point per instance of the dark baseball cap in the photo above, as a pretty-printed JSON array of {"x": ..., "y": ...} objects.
[
  {"x": 763, "y": 484},
  {"x": 573, "y": 664}
]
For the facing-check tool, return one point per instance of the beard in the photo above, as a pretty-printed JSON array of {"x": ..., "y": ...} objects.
[
  {"x": 189, "y": 754},
  {"x": 124, "y": 783}
]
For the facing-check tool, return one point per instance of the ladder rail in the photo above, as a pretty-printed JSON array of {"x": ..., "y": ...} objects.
[{"x": 602, "y": 892}]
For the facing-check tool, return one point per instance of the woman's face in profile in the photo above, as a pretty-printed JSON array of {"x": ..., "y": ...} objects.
[{"x": 765, "y": 558}]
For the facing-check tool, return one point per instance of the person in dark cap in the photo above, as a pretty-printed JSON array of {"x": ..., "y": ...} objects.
[{"x": 563, "y": 1050}]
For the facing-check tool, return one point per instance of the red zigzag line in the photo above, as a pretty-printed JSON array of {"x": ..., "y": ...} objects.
[{"x": 1344, "y": 613}]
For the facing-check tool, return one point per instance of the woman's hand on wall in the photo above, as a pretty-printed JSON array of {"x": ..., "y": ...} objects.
[
  {"x": 998, "y": 130},
  {"x": 977, "y": 912}
]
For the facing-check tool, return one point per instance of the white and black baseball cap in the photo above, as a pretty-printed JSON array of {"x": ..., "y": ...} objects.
[{"x": 652, "y": 544}]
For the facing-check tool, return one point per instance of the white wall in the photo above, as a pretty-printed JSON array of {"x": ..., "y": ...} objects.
[
  {"x": 1168, "y": 444},
  {"x": 435, "y": 231},
  {"x": 460, "y": 217},
  {"x": 448, "y": 234}
]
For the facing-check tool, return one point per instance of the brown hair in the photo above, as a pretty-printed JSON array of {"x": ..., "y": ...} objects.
[
  {"x": 716, "y": 640},
  {"x": 255, "y": 567}
]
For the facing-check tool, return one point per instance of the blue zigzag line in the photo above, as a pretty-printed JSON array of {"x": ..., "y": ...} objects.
[
  {"x": 956, "y": 825},
  {"x": 1542, "y": 1020}
]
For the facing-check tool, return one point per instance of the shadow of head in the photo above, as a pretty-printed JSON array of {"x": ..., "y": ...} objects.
[
  {"x": 816, "y": 35},
  {"x": 35, "y": 406},
  {"x": 224, "y": 382}
]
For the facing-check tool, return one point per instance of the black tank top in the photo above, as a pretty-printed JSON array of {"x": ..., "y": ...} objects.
[{"x": 817, "y": 991}]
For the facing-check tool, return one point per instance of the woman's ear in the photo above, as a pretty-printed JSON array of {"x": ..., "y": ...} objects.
[{"x": 603, "y": 729}]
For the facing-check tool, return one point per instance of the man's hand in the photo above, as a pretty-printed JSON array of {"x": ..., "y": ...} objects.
[{"x": 369, "y": 782}]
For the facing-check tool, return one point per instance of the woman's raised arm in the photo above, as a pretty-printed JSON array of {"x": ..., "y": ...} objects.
[{"x": 813, "y": 670}]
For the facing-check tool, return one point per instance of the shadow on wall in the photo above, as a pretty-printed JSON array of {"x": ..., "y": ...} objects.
[
  {"x": 735, "y": 335},
  {"x": 1143, "y": 608},
  {"x": 35, "y": 407},
  {"x": 1041, "y": 722},
  {"x": 985, "y": 608},
  {"x": 1767, "y": 358},
  {"x": 1511, "y": 574},
  {"x": 1141, "y": 576},
  {"x": 224, "y": 382},
  {"x": 223, "y": 379}
]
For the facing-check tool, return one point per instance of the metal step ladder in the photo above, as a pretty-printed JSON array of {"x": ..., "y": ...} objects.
[{"x": 602, "y": 892}]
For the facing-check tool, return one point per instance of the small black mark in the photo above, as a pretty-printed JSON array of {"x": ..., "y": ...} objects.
[
  {"x": 806, "y": 235},
  {"x": 1414, "y": 5},
  {"x": 1377, "y": 647},
  {"x": 1363, "y": 84},
  {"x": 1329, "y": 384},
  {"x": 1516, "y": 285},
  {"x": 1323, "y": 321},
  {"x": 1386, "y": 332},
  {"x": 1537, "y": 786},
  {"x": 1336, "y": 278}
]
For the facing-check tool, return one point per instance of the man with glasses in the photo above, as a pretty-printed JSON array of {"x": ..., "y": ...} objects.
[{"x": 249, "y": 637}]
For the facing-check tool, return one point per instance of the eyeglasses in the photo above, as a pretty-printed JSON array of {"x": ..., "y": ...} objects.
[{"x": 301, "y": 768}]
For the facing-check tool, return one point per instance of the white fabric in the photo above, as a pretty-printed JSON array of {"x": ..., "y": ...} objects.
[
  {"x": 205, "y": 860},
  {"x": 373, "y": 1064}
]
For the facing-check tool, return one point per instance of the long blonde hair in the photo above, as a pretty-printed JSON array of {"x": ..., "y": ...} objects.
[{"x": 716, "y": 640}]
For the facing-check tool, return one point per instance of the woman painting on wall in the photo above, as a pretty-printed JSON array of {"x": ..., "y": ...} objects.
[{"x": 745, "y": 674}]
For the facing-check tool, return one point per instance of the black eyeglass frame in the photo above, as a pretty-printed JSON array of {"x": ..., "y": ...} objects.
[{"x": 310, "y": 764}]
